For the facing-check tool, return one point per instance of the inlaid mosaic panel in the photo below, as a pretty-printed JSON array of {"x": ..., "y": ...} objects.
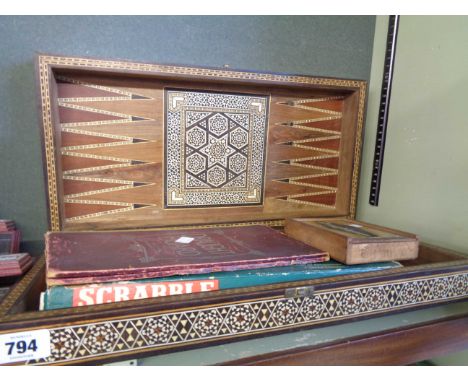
[
  {"x": 215, "y": 148},
  {"x": 169, "y": 329}
]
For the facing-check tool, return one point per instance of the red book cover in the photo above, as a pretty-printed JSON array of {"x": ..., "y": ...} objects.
[
  {"x": 14, "y": 264},
  {"x": 90, "y": 257},
  {"x": 7, "y": 225},
  {"x": 9, "y": 241}
]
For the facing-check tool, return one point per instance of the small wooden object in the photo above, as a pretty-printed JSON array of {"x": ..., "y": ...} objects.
[{"x": 354, "y": 242}]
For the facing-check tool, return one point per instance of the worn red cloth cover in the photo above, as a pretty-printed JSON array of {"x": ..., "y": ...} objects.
[
  {"x": 89, "y": 257},
  {"x": 14, "y": 264}
]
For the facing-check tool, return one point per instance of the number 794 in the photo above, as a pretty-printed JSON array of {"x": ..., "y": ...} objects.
[{"x": 21, "y": 346}]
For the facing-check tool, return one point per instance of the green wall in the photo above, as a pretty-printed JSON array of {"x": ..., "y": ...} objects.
[
  {"x": 338, "y": 46},
  {"x": 425, "y": 175}
]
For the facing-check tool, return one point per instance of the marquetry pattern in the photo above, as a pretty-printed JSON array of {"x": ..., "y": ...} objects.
[
  {"x": 48, "y": 63},
  {"x": 114, "y": 94},
  {"x": 215, "y": 144},
  {"x": 85, "y": 149},
  {"x": 194, "y": 71},
  {"x": 314, "y": 145},
  {"x": 357, "y": 150},
  {"x": 80, "y": 342}
]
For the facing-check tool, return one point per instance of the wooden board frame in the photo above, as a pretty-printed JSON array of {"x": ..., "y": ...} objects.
[
  {"x": 49, "y": 68},
  {"x": 142, "y": 328}
]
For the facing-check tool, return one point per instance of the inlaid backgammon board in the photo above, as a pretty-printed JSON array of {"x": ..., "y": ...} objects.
[
  {"x": 137, "y": 146},
  {"x": 195, "y": 146}
]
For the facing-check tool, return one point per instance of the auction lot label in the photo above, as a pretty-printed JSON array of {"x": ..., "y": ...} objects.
[{"x": 23, "y": 346}]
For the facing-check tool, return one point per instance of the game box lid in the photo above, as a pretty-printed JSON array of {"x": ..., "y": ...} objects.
[{"x": 132, "y": 145}]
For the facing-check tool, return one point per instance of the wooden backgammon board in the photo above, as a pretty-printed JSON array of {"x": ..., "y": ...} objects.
[{"x": 157, "y": 147}]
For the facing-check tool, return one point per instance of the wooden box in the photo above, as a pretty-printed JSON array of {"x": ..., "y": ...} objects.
[
  {"x": 353, "y": 242},
  {"x": 127, "y": 146}
]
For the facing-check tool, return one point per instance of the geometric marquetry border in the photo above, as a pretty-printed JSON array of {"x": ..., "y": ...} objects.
[
  {"x": 131, "y": 335},
  {"x": 215, "y": 148},
  {"x": 46, "y": 63}
]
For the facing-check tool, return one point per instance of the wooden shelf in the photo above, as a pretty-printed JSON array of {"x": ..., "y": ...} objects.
[{"x": 402, "y": 346}]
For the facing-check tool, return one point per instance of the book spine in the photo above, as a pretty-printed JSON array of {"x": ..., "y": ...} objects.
[{"x": 81, "y": 295}]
